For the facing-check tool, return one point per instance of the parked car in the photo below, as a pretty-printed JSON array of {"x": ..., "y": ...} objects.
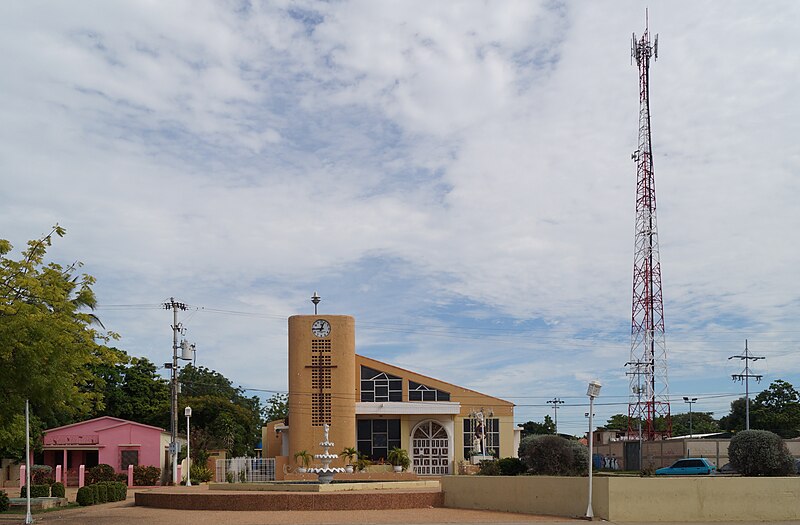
[
  {"x": 687, "y": 467},
  {"x": 727, "y": 468}
]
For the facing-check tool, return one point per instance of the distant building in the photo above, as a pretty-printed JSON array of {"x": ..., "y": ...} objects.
[
  {"x": 110, "y": 440},
  {"x": 374, "y": 406}
]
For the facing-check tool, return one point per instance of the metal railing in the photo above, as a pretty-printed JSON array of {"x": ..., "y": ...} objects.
[{"x": 245, "y": 470}]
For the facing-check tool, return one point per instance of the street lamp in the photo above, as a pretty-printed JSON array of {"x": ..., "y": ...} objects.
[
  {"x": 691, "y": 401},
  {"x": 188, "y": 413},
  {"x": 593, "y": 391}
]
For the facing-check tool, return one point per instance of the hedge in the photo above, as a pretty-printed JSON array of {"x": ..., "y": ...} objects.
[
  {"x": 37, "y": 491},
  {"x": 760, "y": 453},
  {"x": 103, "y": 492},
  {"x": 85, "y": 496},
  {"x": 102, "y": 472},
  {"x": 58, "y": 490},
  {"x": 5, "y": 503}
]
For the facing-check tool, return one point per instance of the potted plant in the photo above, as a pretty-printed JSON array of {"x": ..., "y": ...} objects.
[
  {"x": 398, "y": 457},
  {"x": 349, "y": 453},
  {"x": 362, "y": 462},
  {"x": 303, "y": 459}
]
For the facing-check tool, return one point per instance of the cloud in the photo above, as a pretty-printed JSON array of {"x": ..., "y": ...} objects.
[{"x": 456, "y": 177}]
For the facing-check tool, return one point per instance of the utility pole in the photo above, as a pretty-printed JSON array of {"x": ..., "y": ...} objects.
[
  {"x": 745, "y": 377},
  {"x": 176, "y": 328},
  {"x": 555, "y": 402}
]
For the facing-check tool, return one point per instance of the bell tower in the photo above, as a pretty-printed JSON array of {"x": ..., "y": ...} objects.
[{"x": 322, "y": 381}]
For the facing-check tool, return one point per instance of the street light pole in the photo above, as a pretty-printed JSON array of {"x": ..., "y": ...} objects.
[
  {"x": 188, "y": 413},
  {"x": 691, "y": 401},
  {"x": 593, "y": 391}
]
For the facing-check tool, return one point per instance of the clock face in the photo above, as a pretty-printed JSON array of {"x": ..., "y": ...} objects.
[{"x": 321, "y": 328}]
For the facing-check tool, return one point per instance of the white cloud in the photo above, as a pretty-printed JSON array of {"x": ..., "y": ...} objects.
[{"x": 427, "y": 165}]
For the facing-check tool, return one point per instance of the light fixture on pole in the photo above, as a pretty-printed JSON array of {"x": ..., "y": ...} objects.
[
  {"x": 188, "y": 413},
  {"x": 593, "y": 391},
  {"x": 691, "y": 401}
]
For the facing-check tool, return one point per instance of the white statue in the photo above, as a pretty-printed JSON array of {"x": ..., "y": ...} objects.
[{"x": 327, "y": 427}]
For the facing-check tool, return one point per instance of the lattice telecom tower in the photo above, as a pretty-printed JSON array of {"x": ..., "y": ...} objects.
[{"x": 648, "y": 361}]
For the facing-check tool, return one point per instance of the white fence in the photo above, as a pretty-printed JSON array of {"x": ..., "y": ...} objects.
[{"x": 245, "y": 470}]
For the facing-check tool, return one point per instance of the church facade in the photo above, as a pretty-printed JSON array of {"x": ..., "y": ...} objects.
[{"x": 374, "y": 406}]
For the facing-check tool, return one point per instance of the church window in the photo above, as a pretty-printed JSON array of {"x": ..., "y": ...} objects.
[
  {"x": 376, "y": 437},
  {"x": 485, "y": 436},
  {"x": 380, "y": 386},
  {"x": 420, "y": 392}
]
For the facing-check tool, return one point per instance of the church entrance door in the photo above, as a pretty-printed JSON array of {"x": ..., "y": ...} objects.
[{"x": 430, "y": 449}]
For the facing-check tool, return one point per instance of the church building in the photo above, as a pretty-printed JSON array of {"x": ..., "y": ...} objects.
[{"x": 374, "y": 406}]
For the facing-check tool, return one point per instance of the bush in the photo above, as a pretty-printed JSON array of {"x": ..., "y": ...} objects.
[
  {"x": 489, "y": 467},
  {"x": 85, "y": 496},
  {"x": 554, "y": 456},
  {"x": 57, "y": 490},
  {"x": 146, "y": 476},
  {"x": 37, "y": 491},
  {"x": 511, "y": 467},
  {"x": 201, "y": 473},
  {"x": 102, "y": 472},
  {"x": 5, "y": 503},
  {"x": 760, "y": 453},
  {"x": 42, "y": 475},
  {"x": 122, "y": 491},
  {"x": 121, "y": 477},
  {"x": 102, "y": 493}
]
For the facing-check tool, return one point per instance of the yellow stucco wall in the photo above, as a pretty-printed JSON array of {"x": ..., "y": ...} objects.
[{"x": 626, "y": 499}]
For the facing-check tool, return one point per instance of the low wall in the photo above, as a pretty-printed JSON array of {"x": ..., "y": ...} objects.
[{"x": 707, "y": 498}]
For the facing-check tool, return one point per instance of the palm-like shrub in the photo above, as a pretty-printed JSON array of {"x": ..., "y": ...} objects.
[
  {"x": 554, "y": 456},
  {"x": 760, "y": 453}
]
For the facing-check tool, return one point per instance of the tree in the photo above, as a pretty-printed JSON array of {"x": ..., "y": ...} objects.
[
  {"x": 277, "y": 408},
  {"x": 702, "y": 423},
  {"x": 532, "y": 428},
  {"x": 229, "y": 420},
  {"x": 779, "y": 407},
  {"x": 48, "y": 340},
  {"x": 132, "y": 389},
  {"x": 776, "y": 409}
]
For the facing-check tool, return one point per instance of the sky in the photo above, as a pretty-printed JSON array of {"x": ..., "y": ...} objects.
[{"x": 455, "y": 175}]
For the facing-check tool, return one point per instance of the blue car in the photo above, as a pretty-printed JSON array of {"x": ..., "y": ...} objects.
[{"x": 687, "y": 467}]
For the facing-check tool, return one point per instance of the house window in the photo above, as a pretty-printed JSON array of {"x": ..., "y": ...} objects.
[
  {"x": 129, "y": 457},
  {"x": 473, "y": 430},
  {"x": 376, "y": 437},
  {"x": 420, "y": 392},
  {"x": 380, "y": 386}
]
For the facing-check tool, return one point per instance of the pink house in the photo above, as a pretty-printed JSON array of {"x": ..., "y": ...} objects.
[{"x": 116, "y": 442}]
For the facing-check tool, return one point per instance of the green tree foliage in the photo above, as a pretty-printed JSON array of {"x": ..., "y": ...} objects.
[
  {"x": 532, "y": 428},
  {"x": 554, "y": 456},
  {"x": 132, "y": 389},
  {"x": 228, "y": 419},
  {"x": 277, "y": 408},
  {"x": 619, "y": 422},
  {"x": 702, "y": 423},
  {"x": 760, "y": 453},
  {"x": 48, "y": 341},
  {"x": 776, "y": 409}
]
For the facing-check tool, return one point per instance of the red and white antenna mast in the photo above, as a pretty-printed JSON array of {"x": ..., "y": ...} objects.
[{"x": 649, "y": 386}]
